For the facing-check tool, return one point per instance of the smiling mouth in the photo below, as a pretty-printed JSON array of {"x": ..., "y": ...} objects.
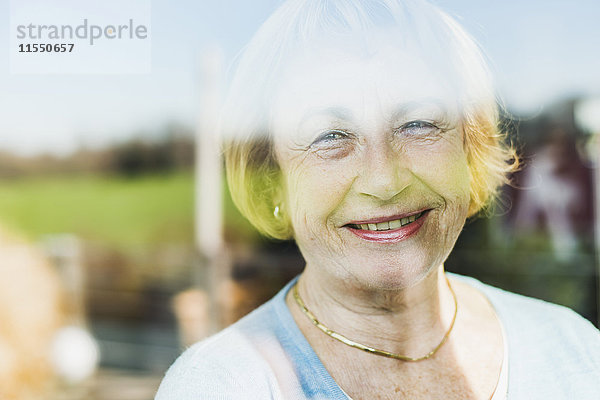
[{"x": 388, "y": 225}]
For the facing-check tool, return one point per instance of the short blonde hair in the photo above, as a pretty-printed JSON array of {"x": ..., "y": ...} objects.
[{"x": 253, "y": 174}]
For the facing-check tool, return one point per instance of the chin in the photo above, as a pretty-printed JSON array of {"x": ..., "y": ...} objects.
[{"x": 396, "y": 276}]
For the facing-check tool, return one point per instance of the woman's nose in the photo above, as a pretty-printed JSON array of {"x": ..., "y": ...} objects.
[{"x": 383, "y": 173}]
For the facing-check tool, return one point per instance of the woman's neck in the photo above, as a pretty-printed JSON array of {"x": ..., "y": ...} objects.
[{"x": 409, "y": 321}]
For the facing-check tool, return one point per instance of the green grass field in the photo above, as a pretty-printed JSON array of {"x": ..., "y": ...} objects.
[{"x": 119, "y": 211}]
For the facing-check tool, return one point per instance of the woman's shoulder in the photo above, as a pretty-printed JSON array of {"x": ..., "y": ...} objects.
[
  {"x": 217, "y": 367},
  {"x": 228, "y": 365},
  {"x": 537, "y": 321},
  {"x": 529, "y": 312},
  {"x": 546, "y": 343}
]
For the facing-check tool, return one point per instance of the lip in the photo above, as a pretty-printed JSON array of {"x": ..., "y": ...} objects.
[
  {"x": 392, "y": 235},
  {"x": 390, "y": 218}
]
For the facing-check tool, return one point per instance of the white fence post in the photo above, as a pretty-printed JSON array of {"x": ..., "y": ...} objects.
[{"x": 209, "y": 198}]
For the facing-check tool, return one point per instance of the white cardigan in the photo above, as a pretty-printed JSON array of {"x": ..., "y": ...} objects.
[{"x": 553, "y": 353}]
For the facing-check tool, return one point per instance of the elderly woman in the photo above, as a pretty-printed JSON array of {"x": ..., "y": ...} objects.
[{"x": 367, "y": 132}]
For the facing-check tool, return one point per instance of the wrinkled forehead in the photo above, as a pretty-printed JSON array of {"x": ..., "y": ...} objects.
[{"x": 380, "y": 79}]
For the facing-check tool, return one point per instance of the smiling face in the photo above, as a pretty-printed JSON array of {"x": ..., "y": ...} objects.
[{"x": 374, "y": 169}]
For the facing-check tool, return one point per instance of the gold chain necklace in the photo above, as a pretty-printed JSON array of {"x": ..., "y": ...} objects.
[{"x": 373, "y": 350}]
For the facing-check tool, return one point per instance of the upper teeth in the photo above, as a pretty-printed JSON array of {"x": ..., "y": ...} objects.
[{"x": 384, "y": 226}]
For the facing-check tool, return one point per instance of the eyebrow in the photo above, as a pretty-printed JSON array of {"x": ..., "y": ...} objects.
[
  {"x": 340, "y": 113},
  {"x": 345, "y": 114},
  {"x": 405, "y": 108}
]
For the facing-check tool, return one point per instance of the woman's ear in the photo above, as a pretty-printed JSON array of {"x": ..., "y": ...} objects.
[
  {"x": 280, "y": 213},
  {"x": 277, "y": 201}
]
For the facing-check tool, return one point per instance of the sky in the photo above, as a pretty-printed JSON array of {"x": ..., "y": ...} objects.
[{"x": 540, "y": 51}]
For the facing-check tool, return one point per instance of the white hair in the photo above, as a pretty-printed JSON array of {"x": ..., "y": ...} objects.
[{"x": 299, "y": 25}]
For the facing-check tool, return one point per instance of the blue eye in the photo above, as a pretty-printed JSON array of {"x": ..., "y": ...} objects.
[
  {"x": 419, "y": 128},
  {"x": 330, "y": 136}
]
